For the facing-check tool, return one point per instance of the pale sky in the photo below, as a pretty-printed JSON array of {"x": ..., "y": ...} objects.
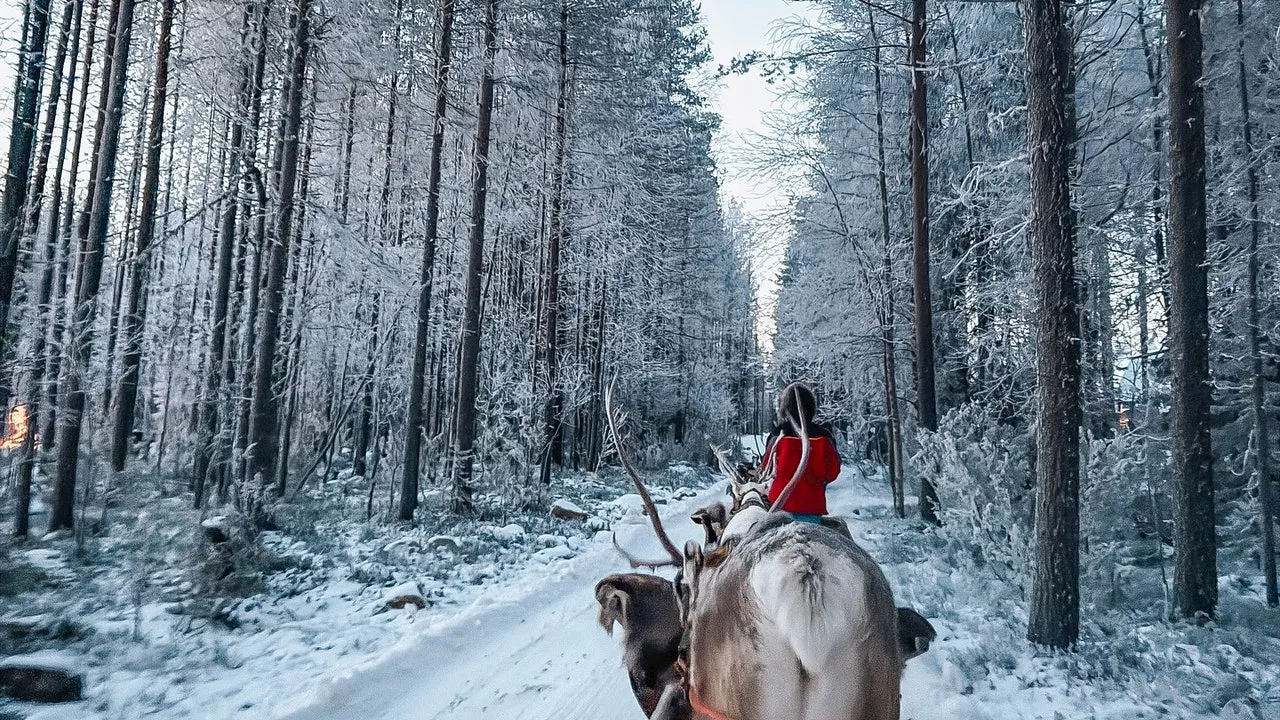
[{"x": 735, "y": 28}]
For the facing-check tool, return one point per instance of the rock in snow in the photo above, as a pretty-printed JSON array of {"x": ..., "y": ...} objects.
[
  {"x": 41, "y": 677},
  {"x": 216, "y": 529},
  {"x": 560, "y": 552},
  {"x": 631, "y": 503},
  {"x": 444, "y": 542},
  {"x": 509, "y": 532},
  {"x": 566, "y": 510},
  {"x": 402, "y": 596}
]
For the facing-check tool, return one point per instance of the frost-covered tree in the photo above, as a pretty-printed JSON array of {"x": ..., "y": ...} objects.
[{"x": 290, "y": 200}]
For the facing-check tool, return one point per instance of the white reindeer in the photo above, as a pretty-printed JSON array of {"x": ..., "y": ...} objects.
[{"x": 780, "y": 621}]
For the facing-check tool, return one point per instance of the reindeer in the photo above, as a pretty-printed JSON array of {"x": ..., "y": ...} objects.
[{"x": 779, "y": 621}]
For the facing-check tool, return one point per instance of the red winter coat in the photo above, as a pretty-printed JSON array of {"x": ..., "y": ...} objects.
[{"x": 810, "y": 494}]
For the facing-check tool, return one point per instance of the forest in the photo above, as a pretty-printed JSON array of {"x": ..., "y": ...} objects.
[
  {"x": 244, "y": 236},
  {"x": 314, "y": 301},
  {"x": 1106, "y": 221}
]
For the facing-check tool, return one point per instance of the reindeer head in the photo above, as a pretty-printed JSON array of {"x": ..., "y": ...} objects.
[
  {"x": 646, "y": 608},
  {"x": 712, "y": 518}
]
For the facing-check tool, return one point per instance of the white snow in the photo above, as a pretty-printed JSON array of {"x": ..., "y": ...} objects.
[
  {"x": 559, "y": 552},
  {"x": 67, "y": 662},
  {"x": 410, "y": 589},
  {"x": 521, "y": 642},
  {"x": 216, "y": 521},
  {"x": 568, "y": 506},
  {"x": 533, "y": 650},
  {"x": 509, "y": 532},
  {"x": 631, "y": 504},
  {"x": 45, "y": 558}
]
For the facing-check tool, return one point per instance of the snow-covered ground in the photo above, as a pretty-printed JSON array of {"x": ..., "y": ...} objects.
[
  {"x": 524, "y": 644},
  {"x": 536, "y": 652}
]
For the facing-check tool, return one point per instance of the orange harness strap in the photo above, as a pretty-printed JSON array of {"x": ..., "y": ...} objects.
[{"x": 702, "y": 711}]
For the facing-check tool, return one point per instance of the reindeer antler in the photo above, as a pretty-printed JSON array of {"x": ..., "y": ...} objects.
[
  {"x": 636, "y": 563},
  {"x": 676, "y": 558},
  {"x": 726, "y": 466},
  {"x": 801, "y": 428}
]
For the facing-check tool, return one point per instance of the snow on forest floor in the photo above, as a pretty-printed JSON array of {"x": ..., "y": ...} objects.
[
  {"x": 512, "y": 634},
  {"x": 124, "y": 611}
]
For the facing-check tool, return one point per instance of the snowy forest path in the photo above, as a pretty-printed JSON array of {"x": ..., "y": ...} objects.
[{"x": 537, "y": 652}]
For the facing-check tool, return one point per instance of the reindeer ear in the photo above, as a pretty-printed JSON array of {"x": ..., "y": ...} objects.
[
  {"x": 711, "y": 518},
  {"x": 691, "y": 551},
  {"x": 614, "y": 594},
  {"x": 692, "y": 563},
  {"x": 914, "y": 633}
]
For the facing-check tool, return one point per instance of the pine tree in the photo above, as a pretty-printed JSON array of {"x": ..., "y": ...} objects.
[
  {"x": 1195, "y": 577},
  {"x": 1055, "y": 610}
]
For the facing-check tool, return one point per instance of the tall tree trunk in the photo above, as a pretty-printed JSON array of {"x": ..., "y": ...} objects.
[
  {"x": 265, "y": 407},
  {"x": 1195, "y": 575},
  {"x": 57, "y": 326},
  {"x": 1154, "y": 71},
  {"x": 26, "y": 108},
  {"x": 367, "y": 432},
  {"x": 120, "y": 266},
  {"x": 253, "y": 27},
  {"x": 552, "y": 423},
  {"x": 364, "y": 421},
  {"x": 44, "y": 309},
  {"x": 469, "y": 352},
  {"x": 1261, "y": 432},
  {"x": 418, "y": 377},
  {"x": 71, "y": 419},
  {"x": 926, "y": 400},
  {"x": 136, "y": 309},
  {"x": 1055, "y": 610},
  {"x": 893, "y": 422},
  {"x": 297, "y": 295},
  {"x": 71, "y": 12}
]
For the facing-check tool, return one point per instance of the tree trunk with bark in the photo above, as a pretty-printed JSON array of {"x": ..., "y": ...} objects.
[
  {"x": 44, "y": 310},
  {"x": 207, "y": 446},
  {"x": 26, "y": 108},
  {"x": 265, "y": 404},
  {"x": 893, "y": 422},
  {"x": 552, "y": 423},
  {"x": 469, "y": 352},
  {"x": 1195, "y": 576},
  {"x": 418, "y": 378},
  {"x": 71, "y": 12},
  {"x": 1258, "y": 394},
  {"x": 136, "y": 308},
  {"x": 1055, "y": 610},
  {"x": 80, "y": 348},
  {"x": 57, "y": 325},
  {"x": 926, "y": 398}
]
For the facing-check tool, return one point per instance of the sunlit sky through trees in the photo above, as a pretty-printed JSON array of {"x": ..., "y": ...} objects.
[{"x": 748, "y": 104}]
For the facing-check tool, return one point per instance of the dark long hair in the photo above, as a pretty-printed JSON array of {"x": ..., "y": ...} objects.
[{"x": 798, "y": 401}]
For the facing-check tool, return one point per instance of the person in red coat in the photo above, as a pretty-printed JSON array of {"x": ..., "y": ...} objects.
[{"x": 808, "y": 502}]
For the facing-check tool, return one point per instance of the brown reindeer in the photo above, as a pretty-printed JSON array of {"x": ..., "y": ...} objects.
[
  {"x": 781, "y": 621},
  {"x": 645, "y": 607}
]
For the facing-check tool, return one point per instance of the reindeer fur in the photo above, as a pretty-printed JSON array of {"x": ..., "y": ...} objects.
[
  {"x": 645, "y": 607},
  {"x": 803, "y": 627}
]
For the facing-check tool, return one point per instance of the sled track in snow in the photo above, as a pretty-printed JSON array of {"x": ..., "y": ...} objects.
[{"x": 535, "y": 652}]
